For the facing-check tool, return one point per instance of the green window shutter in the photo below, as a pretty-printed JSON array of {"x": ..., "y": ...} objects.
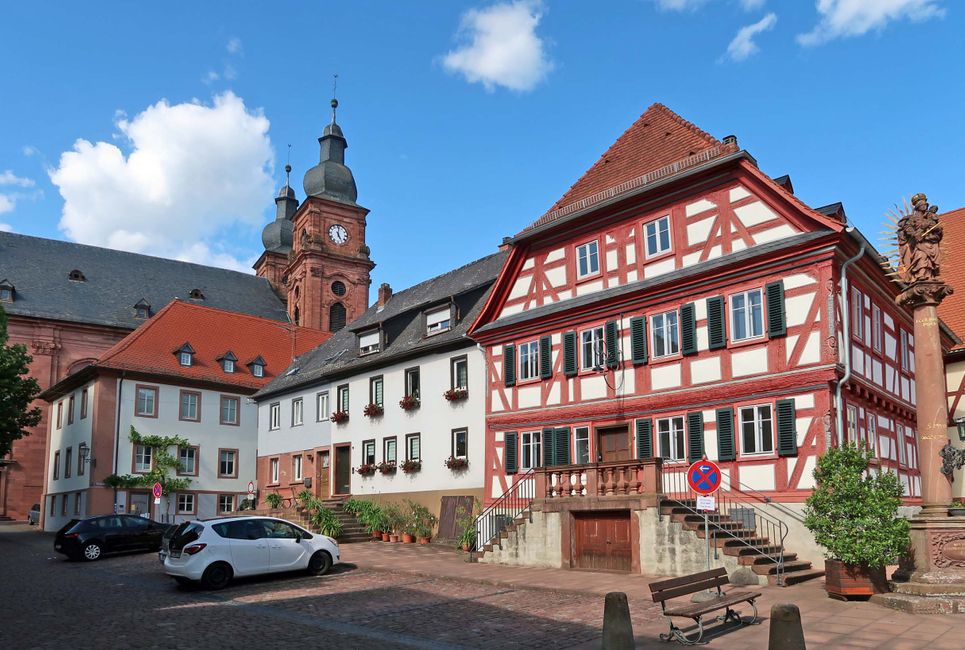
[
  {"x": 786, "y": 428},
  {"x": 569, "y": 354},
  {"x": 545, "y": 357},
  {"x": 725, "y": 434},
  {"x": 509, "y": 365},
  {"x": 638, "y": 339},
  {"x": 695, "y": 436},
  {"x": 688, "y": 329},
  {"x": 549, "y": 447},
  {"x": 562, "y": 446},
  {"x": 644, "y": 438},
  {"x": 511, "y": 451},
  {"x": 776, "y": 322},
  {"x": 715, "y": 323},
  {"x": 612, "y": 344}
]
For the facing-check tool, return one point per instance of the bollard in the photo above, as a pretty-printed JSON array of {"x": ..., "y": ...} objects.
[
  {"x": 786, "y": 632},
  {"x": 617, "y": 630}
]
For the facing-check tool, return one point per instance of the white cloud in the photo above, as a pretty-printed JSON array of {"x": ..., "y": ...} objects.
[
  {"x": 234, "y": 46},
  {"x": 501, "y": 47},
  {"x": 9, "y": 178},
  {"x": 6, "y": 227},
  {"x": 843, "y": 18},
  {"x": 210, "y": 77},
  {"x": 751, "y": 5},
  {"x": 680, "y": 5},
  {"x": 8, "y": 200},
  {"x": 743, "y": 44},
  {"x": 7, "y": 204},
  {"x": 193, "y": 171}
]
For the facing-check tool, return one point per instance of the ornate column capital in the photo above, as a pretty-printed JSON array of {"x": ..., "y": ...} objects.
[{"x": 924, "y": 293}]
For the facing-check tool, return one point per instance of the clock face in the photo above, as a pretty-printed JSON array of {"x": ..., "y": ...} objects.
[{"x": 338, "y": 234}]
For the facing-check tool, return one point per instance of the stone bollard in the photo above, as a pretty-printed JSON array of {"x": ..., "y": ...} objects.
[
  {"x": 786, "y": 632},
  {"x": 617, "y": 629}
]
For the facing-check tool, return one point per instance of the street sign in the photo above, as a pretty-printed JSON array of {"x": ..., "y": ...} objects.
[
  {"x": 157, "y": 490},
  {"x": 251, "y": 487},
  {"x": 706, "y": 503},
  {"x": 704, "y": 477},
  {"x": 157, "y": 501}
]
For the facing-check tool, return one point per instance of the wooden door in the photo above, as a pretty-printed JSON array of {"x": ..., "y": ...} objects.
[
  {"x": 602, "y": 541},
  {"x": 343, "y": 468},
  {"x": 321, "y": 474},
  {"x": 614, "y": 443}
]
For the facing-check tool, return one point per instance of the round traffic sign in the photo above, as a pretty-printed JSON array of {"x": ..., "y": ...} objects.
[
  {"x": 704, "y": 477},
  {"x": 157, "y": 490},
  {"x": 251, "y": 487}
]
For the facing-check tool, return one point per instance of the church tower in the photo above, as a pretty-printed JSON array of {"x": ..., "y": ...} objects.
[{"x": 326, "y": 274}]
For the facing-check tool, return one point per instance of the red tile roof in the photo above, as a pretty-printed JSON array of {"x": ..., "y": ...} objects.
[
  {"x": 211, "y": 333},
  {"x": 952, "y": 309}
]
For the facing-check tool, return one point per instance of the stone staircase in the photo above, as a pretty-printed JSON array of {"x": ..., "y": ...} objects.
[{"x": 352, "y": 530}]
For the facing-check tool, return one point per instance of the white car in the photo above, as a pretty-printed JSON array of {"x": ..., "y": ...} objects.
[{"x": 213, "y": 551}]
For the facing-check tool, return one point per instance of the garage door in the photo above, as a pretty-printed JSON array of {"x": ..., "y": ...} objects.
[{"x": 603, "y": 541}]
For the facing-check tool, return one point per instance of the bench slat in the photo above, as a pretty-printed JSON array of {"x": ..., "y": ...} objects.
[
  {"x": 683, "y": 580},
  {"x": 689, "y": 588},
  {"x": 697, "y": 609}
]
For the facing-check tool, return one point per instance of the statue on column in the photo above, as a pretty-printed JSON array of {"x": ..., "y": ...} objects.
[{"x": 918, "y": 233}]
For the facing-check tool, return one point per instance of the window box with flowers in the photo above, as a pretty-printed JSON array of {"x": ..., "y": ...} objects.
[
  {"x": 387, "y": 467},
  {"x": 411, "y": 466},
  {"x": 456, "y": 464},
  {"x": 409, "y": 402},
  {"x": 339, "y": 417},
  {"x": 366, "y": 469},
  {"x": 456, "y": 394},
  {"x": 372, "y": 411}
]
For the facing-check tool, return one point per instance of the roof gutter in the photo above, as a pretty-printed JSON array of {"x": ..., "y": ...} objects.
[{"x": 846, "y": 330}]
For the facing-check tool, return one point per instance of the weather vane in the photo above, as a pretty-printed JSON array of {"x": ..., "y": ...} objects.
[{"x": 334, "y": 93}]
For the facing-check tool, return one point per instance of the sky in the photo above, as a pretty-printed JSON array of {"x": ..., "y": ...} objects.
[{"x": 164, "y": 128}]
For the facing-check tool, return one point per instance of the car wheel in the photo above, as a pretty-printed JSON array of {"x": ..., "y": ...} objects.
[
  {"x": 184, "y": 582},
  {"x": 216, "y": 576},
  {"x": 92, "y": 551},
  {"x": 320, "y": 564}
]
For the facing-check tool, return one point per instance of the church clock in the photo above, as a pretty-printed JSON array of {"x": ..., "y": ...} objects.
[{"x": 338, "y": 234}]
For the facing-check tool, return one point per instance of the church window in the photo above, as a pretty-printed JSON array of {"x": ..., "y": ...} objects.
[
  {"x": 336, "y": 317},
  {"x": 338, "y": 288}
]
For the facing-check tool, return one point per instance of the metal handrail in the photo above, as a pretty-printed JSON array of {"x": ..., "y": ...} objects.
[
  {"x": 773, "y": 530},
  {"x": 768, "y": 500},
  {"x": 504, "y": 510}
]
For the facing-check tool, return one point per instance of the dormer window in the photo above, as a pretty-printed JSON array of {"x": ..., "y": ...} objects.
[
  {"x": 369, "y": 342},
  {"x": 257, "y": 366},
  {"x": 438, "y": 320},
  {"x": 228, "y": 360},
  {"x": 76, "y": 276},
  {"x": 142, "y": 309},
  {"x": 195, "y": 294},
  {"x": 7, "y": 291},
  {"x": 185, "y": 355}
]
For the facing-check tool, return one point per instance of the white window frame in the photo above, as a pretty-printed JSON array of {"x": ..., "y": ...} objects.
[
  {"x": 228, "y": 365},
  {"x": 321, "y": 406},
  {"x": 185, "y": 359},
  {"x": 439, "y": 320},
  {"x": 664, "y": 327},
  {"x": 274, "y": 416},
  {"x": 368, "y": 451},
  {"x": 676, "y": 438},
  {"x": 393, "y": 444},
  {"x": 757, "y": 421},
  {"x": 590, "y": 253},
  {"x": 410, "y": 390},
  {"x": 745, "y": 315},
  {"x": 581, "y": 437},
  {"x": 857, "y": 313},
  {"x": 871, "y": 431},
  {"x": 142, "y": 453},
  {"x": 417, "y": 437},
  {"x": 528, "y": 360},
  {"x": 257, "y": 370},
  {"x": 454, "y": 364},
  {"x": 377, "y": 390},
  {"x": 901, "y": 442},
  {"x": 152, "y": 391},
  {"x": 192, "y": 452},
  {"x": 231, "y": 454},
  {"x": 231, "y": 503},
  {"x": 185, "y": 498},
  {"x": 591, "y": 341},
  {"x": 369, "y": 343},
  {"x": 273, "y": 469},
  {"x": 343, "y": 397},
  {"x": 876, "y": 329},
  {"x": 905, "y": 350},
  {"x": 852, "y": 425},
  {"x": 455, "y": 442},
  {"x": 298, "y": 412},
  {"x": 531, "y": 446},
  {"x": 297, "y": 467},
  {"x": 230, "y": 399},
  {"x": 656, "y": 223}
]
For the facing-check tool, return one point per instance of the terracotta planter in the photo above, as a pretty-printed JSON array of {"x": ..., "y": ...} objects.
[
  {"x": 385, "y": 537},
  {"x": 377, "y": 534},
  {"x": 465, "y": 547},
  {"x": 846, "y": 580},
  {"x": 423, "y": 540},
  {"x": 393, "y": 538},
  {"x": 407, "y": 538}
]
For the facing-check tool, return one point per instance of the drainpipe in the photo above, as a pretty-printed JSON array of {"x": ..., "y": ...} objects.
[
  {"x": 117, "y": 432},
  {"x": 846, "y": 331}
]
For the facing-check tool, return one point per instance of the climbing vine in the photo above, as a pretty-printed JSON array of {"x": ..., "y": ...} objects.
[{"x": 164, "y": 463}]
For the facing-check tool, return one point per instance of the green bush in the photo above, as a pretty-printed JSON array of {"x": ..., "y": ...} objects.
[
  {"x": 853, "y": 512},
  {"x": 305, "y": 498},
  {"x": 394, "y": 517},
  {"x": 326, "y": 521},
  {"x": 466, "y": 520},
  {"x": 356, "y": 506},
  {"x": 273, "y": 500},
  {"x": 420, "y": 520}
]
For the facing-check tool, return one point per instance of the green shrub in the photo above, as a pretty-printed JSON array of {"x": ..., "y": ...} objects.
[
  {"x": 326, "y": 521},
  {"x": 305, "y": 498},
  {"x": 420, "y": 521},
  {"x": 394, "y": 517},
  {"x": 273, "y": 500},
  {"x": 356, "y": 506}
]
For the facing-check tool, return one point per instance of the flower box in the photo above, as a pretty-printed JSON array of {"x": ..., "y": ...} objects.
[
  {"x": 409, "y": 402},
  {"x": 372, "y": 411},
  {"x": 456, "y": 394},
  {"x": 411, "y": 466},
  {"x": 387, "y": 468},
  {"x": 339, "y": 416},
  {"x": 365, "y": 469},
  {"x": 456, "y": 464}
]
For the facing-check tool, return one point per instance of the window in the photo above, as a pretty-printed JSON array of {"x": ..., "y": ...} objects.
[
  {"x": 82, "y": 453},
  {"x": 77, "y": 503},
  {"x": 226, "y": 503},
  {"x": 412, "y": 382},
  {"x": 63, "y": 504},
  {"x": 375, "y": 391},
  {"x": 190, "y": 409},
  {"x": 297, "y": 412},
  {"x": 852, "y": 424},
  {"x": 185, "y": 360},
  {"x": 53, "y": 505},
  {"x": 460, "y": 443},
  {"x": 142, "y": 309},
  {"x": 459, "y": 372},
  {"x": 587, "y": 259},
  {"x": 227, "y": 463},
  {"x": 368, "y": 452},
  {"x": 68, "y": 462},
  {"x": 83, "y": 404},
  {"x": 336, "y": 317},
  {"x": 530, "y": 446},
  {"x": 258, "y": 370},
  {"x": 60, "y": 414},
  {"x": 188, "y": 460},
  {"x": 757, "y": 434},
  {"x": 413, "y": 446},
  {"x": 582, "y": 445},
  {"x": 273, "y": 469},
  {"x": 229, "y": 410},
  {"x": 56, "y": 465},
  {"x": 666, "y": 334},
  {"x": 746, "y": 315},
  {"x": 390, "y": 450},
  {"x": 902, "y": 450},
  {"x": 657, "y": 234},
  {"x": 857, "y": 314},
  {"x": 591, "y": 347},
  {"x": 321, "y": 406},
  {"x": 338, "y": 288},
  {"x": 6, "y": 291},
  {"x": 228, "y": 365},
  {"x": 70, "y": 410},
  {"x": 876, "y": 328},
  {"x": 905, "y": 356},
  {"x": 143, "y": 457},
  {"x": 369, "y": 342},
  {"x": 296, "y": 468},
  {"x": 439, "y": 320},
  {"x": 670, "y": 432},
  {"x": 146, "y": 402},
  {"x": 342, "y": 396},
  {"x": 185, "y": 504},
  {"x": 529, "y": 360},
  {"x": 871, "y": 433},
  {"x": 274, "y": 416}
]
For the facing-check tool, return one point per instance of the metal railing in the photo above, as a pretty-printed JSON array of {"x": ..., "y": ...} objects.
[
  {"x": 762, "y": 534},
  {"x": 501, "y": 513}
]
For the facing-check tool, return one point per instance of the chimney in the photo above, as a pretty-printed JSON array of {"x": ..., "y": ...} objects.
[
  {"x": 730, "y": 139},
  {"x": 385, "y": 292},
  {"x": 507, "y": 243}
]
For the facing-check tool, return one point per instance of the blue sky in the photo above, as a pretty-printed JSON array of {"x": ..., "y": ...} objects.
[{"x": 465, "y": 120}]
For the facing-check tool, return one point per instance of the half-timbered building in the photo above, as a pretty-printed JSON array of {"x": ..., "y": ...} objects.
[{"x": 952, "y": 312}]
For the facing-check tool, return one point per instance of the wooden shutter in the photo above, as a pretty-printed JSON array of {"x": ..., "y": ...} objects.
[
  {"x": 612, "y": 345},
  {"x": 725, "y": 434},
  {"x": 638, "y": 339},
  {"x": 511, "y": 451},
  {"x": 715, "y": 323},
  {"x": 562, "y": 446},
  {"x": 776, "y": 322},
  {"x": 569, "y": 354},
  {"x": 695, "y": 436},
  {"x": 688, "y": 329},
  {"x": 786, "y": 428},
  {"x": 549, "y": 447},
  {"x": 509, "y": 365},
  {"x": 644, "y": 438},
  {"x": 545, "y": 357}
]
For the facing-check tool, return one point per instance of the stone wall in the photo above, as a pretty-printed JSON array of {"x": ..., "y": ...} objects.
[{"x": 535, "y": 543}]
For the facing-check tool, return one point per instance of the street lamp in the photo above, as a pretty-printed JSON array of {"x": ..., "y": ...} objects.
[{"x": 84, "y": 452}]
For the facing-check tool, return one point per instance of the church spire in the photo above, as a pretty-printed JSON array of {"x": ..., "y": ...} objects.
[{"x": 330, "y": 178}]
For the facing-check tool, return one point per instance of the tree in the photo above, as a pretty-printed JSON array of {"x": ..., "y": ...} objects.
[{"x": 17, "y": 391}]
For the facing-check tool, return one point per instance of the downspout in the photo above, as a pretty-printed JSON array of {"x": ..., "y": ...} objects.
[
  {"x": 846, "y": 331},
  {"x": 117, "y": 433}
]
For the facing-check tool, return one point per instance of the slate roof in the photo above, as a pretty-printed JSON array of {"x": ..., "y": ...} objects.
[
  {"x": 952, "y": 309},
  {"x": 402, "y": 326},
  {"x": 116, "y": 280}
]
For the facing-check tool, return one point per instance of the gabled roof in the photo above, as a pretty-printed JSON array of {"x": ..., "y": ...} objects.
[{"x": 952, "y": 309}]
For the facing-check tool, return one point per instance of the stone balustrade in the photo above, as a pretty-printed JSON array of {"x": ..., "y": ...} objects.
[{"x": 613, "y": 478}]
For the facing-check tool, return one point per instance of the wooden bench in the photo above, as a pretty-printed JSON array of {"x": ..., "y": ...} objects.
[{"x": 665, "y": 590}]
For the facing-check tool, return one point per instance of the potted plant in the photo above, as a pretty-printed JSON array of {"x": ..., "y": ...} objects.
[
  {"x": 456, "y": 464},
  {"x": 305, "y": 499},
  {"x": 411, "y": 466},
  {"x": 956, "y": 509},
  {"x": 273, "y": 500},
  {"x": 339, "y": 417},
  {"x": 366, "y": 469},
  {"x": 853, "y": 514},
  {"x": 394, "y": 519},
  {"x": 387, "y": 467},
  {"x": 456, "y": 394},
  {"x": 409, "y": 402},
  {"x": 466, "y": 520},
  {"x": 372, "y": 411},
  {"x": 408, "y": 522},
  {"x": 422, "y": 521},
  {"x": 326, "y": 522}
]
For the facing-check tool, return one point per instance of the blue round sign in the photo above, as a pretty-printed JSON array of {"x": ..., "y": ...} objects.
[{"x": 704, "y": 477}]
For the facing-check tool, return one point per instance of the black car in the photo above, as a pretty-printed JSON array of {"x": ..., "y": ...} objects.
[{"x": 90, "y": 538}]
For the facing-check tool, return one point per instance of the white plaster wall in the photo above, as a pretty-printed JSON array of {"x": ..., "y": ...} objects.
[
  {"x": 315, "y": 430},
  {"x": 69, "y": 435}
]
